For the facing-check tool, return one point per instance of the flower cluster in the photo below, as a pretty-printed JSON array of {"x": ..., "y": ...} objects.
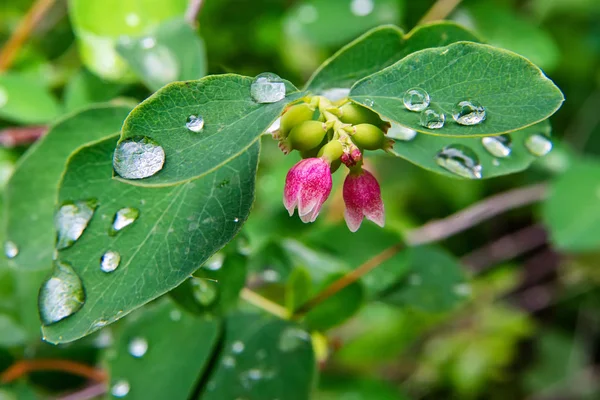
[{"x": 327, "y": 135}]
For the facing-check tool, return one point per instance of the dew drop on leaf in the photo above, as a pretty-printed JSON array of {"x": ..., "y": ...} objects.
[
  {"x": 416, "y": 99},
  {"x": 61, "y": 295},
  {"x": 538, "y": 144},
  {"x": 120, "y": 388},
  {"x": 237, "y": 347},
  {"x": 400, "y": 132},
  {"x": 462, "y": 289},
  {"x": 291, "y": 338},
  {"x": 70, "y": 221},
  {"x": 369, "y": 102},
  {"x": 110, "y": 261},
  {"x": 138, "y": 347},
  {"x": 433, "y": 118},
  {"x": 195, "y": 123},
  {"x": 10, "y": 249},
  {"x": 362, "y": 8},
  {"x": 205, "y": 291},
  {"x": 123, "y": 218},
  {"x": 460, "y": 160},
  {"x": 228, "y": 362},
  {"x": 468, "y": 113},
  {"x": 498, "y": 146},
  {"x": 215, "y": 262},
  {"x": 267, "y": 88},
  {"x": 175, "y": 315},
  {"x": 138, "y": 157}
]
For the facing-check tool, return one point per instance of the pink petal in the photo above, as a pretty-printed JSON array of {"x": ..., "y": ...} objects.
[{"x": 353, "y": 219}]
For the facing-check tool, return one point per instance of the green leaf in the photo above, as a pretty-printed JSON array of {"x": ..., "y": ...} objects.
[
  {"x": 85, "y": 88},
  {"x": 148, "y": 348},
  {"x": 356, "y": 388},
  {"x": 11, "y": 333},
  {"x": 262, "y": 358},
  {"x": 571, "y": 211},
  {"x": 514, "y": 92},
  {"x": 98, "y": 24},
  {"x": 173, "y": 52},
  {"x": 380, "y": 48},
  {"x": 233, "y": 121},
  {"x": 25, "y": 100},
  {"x": 298, "y": 288},
  {"x": 32, "y": 190},
  {"x": 422, "y": 151},
  {"x": 435, "y": 284},
  {"x": 179, "y": 227}
]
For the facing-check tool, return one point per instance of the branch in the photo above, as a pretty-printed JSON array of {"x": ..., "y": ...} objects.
[
  {"x": 263, "y": 303},
  {"x": 19, "y": 136},
  {"x": 35, "y": 14},
  {"x": 192, "y": 12},
  {"x": 93, "y": 391},
  {"x": 24, "y": 367},
  {"x": 440, "y": 10}
]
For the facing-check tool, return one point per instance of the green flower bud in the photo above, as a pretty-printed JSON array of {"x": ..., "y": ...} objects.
[
  {"x": 331, "y": 151},
  {"x": 368, "y": 137},
  {"x": 307, "y": 135},
  {"x": 293, "y": 116},
  {"x": 352, "y": 113}
]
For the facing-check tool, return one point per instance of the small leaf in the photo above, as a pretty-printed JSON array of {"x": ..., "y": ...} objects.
[
  {"x": 29, "y": 218},
  {"x": 25, "y": 100},
  {"x": 514, "y": 93},
  {"x": 233, "y": 121},
  {"x": 178, "y": 228},
  {"x": 148, "y": 347},
  {"x": 173, "y": 52},
  {"x": 380, "y": 48},
  {"x": 298, "y": 288},
  {"x": 262, "y": 358},
  {"x": 572, "y": 211}
]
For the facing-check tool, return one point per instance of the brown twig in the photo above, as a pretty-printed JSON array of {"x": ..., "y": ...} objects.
[
  {"x": 21, "y": 135},
  {"x": 192, "y": 12},
  {"x": 89, "y": 392},
  {"x": 19, "y": 36},
  {"x": 24, "y": 367},
  {"x": 440, "y": 10}
]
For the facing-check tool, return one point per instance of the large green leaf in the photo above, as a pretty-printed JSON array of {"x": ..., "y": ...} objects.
[
  {"x": 514, "y": 92},
  {"x": 173, "y": 52},
  {"x": 380, "y": 48},
  {"x": 32, "y": 190},
  {"x": 141, "y": 363},
  {"x": 572, "y": 211},
  {"x": 422, "y": 151},
  {"x": 233, "y": 121},
  {"x": 25, "y": 100},
  {"x": 179, "y": 227},
  {"x": 262, "y": 358}
]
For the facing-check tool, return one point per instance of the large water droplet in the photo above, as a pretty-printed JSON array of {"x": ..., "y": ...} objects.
[
  {"x": 120, "y": 388},
  {"x": 460, "y": 160},
  {"x": 110, "y": 261},
  {"x": 538, "y": 144},
  {"x": 498, "y": 146},
  {"x": 267, "y": 88},
  {"x": 291, "y": 338},
  {"x": 10, "y": 249},
  {"x": 138, "y": 157},
  {"x": 205, "y": 290},
  {"x": 237, "y": 347},
  {"x": 362, "y": 8},
  {"x": 468, "y": 113},
  {"x": 433, "y": 118},
  {"x": 61, "y": 295},
  {"x": 400, "y": 132},
  {"x": 195, "y": 123},
  {"x": 123, "y": 218},
  {"x": 138, "y": 347},
  {"x": 71, "y": 220},
  {"x": 416, "y": 99}
]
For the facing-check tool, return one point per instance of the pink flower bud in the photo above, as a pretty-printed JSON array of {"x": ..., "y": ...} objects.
[
  {"x": 362, "y": 196},
  {"x": 307, "y": 186}
]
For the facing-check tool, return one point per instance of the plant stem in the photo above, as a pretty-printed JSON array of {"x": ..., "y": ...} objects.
[
  {"x": 21, "y": 135},
  {"x": 23, "y": 367},
  {"x": 20, "y": 35},
  {"x": 192, "y": 12},
  {"x": 435, "y": 231},
  {"x": 440, "y": 10},
  {"x": 263, "y": 303}
]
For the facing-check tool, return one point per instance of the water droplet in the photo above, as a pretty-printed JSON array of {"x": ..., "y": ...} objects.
[
  {"x": 228, "y": 362},
  {"x": 110, "y": 261},
  {"x": 104, "y": 339},
  {"x": 368, "y": 102},
  {"x": 267, "y": 88},
  {"x": 433, "y": 118},
  {"x": 205, "y": 291},
  {"x": 291, "y": 338},
  {"x": 237, "y": 347},
  {"x": 460, "y": 160},
  {"x": 236, "y": 220},
  {"x": 496, "y": 162},
  {"x": 120, "y": 388},
  {"x": 498, "y": 146},
  {"x": 362, "y": 8},
  {"x": 468, "y": 113},
  {"x": 148, "y": 42},
  {"x": 123, "y": 218},
  {"x": 215, "y": 262},
  {"x": 195, "y": 123},
  {"x": 61, "y": 295},
  {"x": 138, "y": 347},
  {"x": 138, "y": 157},
  {"x": 3, "y": 97},
  {"x": 270, "y": 275},
  {"x": 462, "y": 289},
  {"x": 538, "y": 144},
  {"x": 10, "y": 249},
  {"x": 307, "y": 13},
  {"x": 71, "y": 220},
  {"x": 175, "y": 315},
  {"x": 416, "y": 99},
  {"x": 400, "y": 132}
]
